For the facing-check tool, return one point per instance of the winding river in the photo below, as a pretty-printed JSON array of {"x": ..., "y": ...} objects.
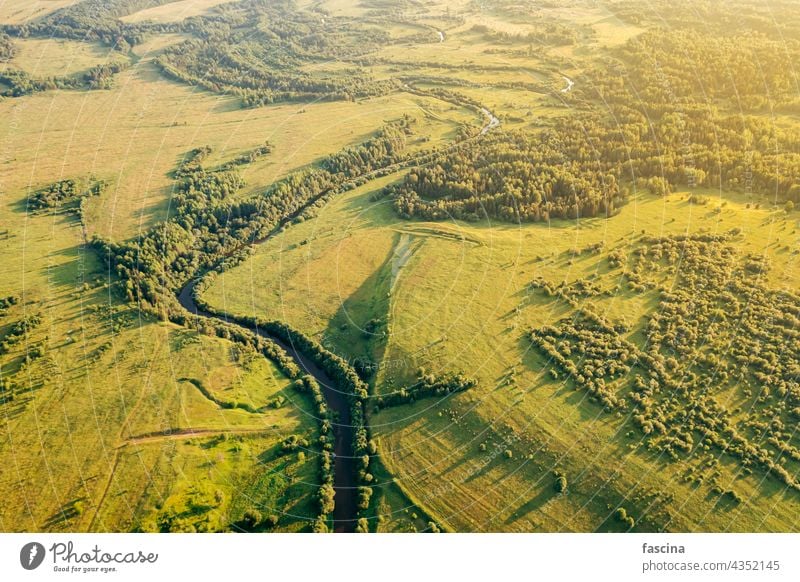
[{"x": 345, "y": 512}]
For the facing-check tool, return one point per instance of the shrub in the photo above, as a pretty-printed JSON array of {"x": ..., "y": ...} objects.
[{"x": 561, "y": 484}]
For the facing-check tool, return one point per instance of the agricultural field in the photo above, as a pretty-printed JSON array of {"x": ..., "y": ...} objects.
[
  {"x": 174, "y": 11},
  {"x": 21, "y": 11},
  {"x": 52, "y": 57},
  {"x": 390, "y": 266}
]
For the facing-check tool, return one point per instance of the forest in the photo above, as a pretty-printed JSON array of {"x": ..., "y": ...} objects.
[
  {"x": 646, "y": 126},
  {"x": 512, "y": 177}
]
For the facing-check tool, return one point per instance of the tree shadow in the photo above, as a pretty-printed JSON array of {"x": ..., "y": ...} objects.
[
  {"x": 534, "y": 504},
  {"x": 67, "y": 512},
  {"x": 360, "y": 328}
]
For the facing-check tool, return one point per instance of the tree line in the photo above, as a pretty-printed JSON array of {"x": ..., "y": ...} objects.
[
  {"x": 20, "y": 83},
  {"x": 427, "y": 385},
  {"x": 209, "y": 228},
  {"x": 512, "y": 176}
]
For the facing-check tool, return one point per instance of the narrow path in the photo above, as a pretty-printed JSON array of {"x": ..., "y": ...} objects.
[
  {"x": 187, "y": 433},
  {"x": 491, "y": 122}
]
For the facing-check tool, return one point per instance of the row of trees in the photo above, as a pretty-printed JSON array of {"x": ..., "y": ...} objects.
[
  {"x": 514, "y": 177},
  {"x": 7, "y": 303},
  {"x": 252, "y": 519},
  {"x": 386, "y": 148},
  {"x": 427, "y": 385},
  {"x": 325, "y": 495},
  {"x": 21, "y": 83},
  {"x": 63, "y": 192}
]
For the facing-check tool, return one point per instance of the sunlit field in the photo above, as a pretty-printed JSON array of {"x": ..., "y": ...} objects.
[{"x": 357, "y": 265}]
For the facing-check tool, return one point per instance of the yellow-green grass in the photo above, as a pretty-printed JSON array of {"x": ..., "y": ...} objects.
[
  {"x": 336, "y": 7},
  {"x": 465, "y": 307},
  {"x": 232, "y": 472},
  {"x": 111, "y": 383},
  {"x": 609, "y": 30},
  {"x": 55, "y": 57},
  {"x": 154, "y": 45},
  {"x": 134, "y": 135},
  {"x": 460, "y": 302},
  {"x": 322, "y": 274},
  {"x": 174, "y": 11},
  {"x": 461, "y": 49},
  {"x": 516, "y": 108},
  {"x": 20, "y": 11}
]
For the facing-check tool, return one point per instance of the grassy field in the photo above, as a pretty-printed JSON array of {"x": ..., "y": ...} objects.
[
  {"x": 458, "y": 300},
  {"x": 471, "y": 315},
  {"x": 100, "y": 451},
  {"x": 58, "y": 57},
  {"x": 20, "y": 11},
  {"x": 124, "y": 423},
  {"x": 174, "y": 11},
  {"x": 135, "y": 134},
  {"x": 89, "y": 435}
]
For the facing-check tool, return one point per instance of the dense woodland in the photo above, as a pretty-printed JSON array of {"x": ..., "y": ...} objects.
[
  {"x": 427, "y": 385},
  {"x": 258, "y": 50},
  {"x": 514, "y": 177},
  {"x": 672, "y": 109},
  {"x": 686, "y": 107}
]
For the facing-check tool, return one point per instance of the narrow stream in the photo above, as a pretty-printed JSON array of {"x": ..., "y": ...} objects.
[{"x": 345, "y": 512}]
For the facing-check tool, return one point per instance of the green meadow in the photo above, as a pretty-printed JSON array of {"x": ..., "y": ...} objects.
[{"x": 113, "y": 419}]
